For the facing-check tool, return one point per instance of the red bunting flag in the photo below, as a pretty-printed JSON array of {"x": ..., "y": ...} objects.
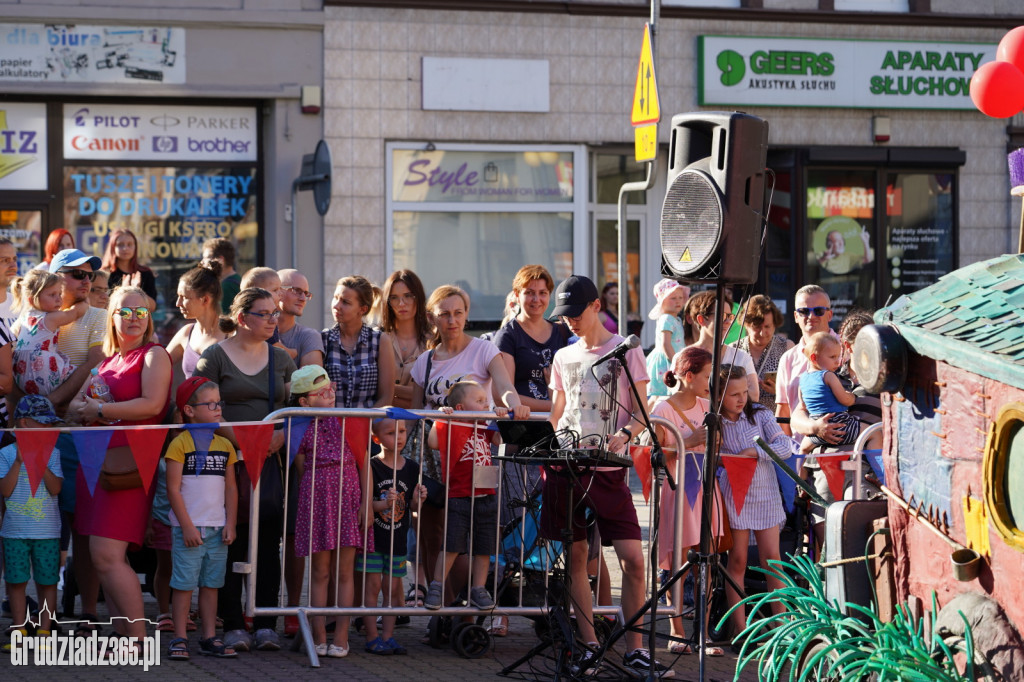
[
  {"x": 146, "y": 446},
  {"x": 641, "y": 455},
  {"x": 832, "y": 466},
  {"x": 357, "y": 437},
  {"x": 253, "y": 441},
  {"x": 740, "y": 471},
  {"x": 36, "y": 446}
]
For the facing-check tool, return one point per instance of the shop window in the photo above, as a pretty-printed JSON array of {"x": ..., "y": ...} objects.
[
  {"x": 611, "y": 172},
  {"x": 481, "y": 252},
  {"x": 171, "y": 210},
  {"x": 1004, "y": 474},
  {"x": 24, "y": 229},
  {"x": 919, "y": 216},
  {"x": 840, "y": 237},
  {"x": 474, "y": 216}
]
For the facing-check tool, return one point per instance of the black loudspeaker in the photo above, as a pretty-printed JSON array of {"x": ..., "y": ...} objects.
[{"x": 712, "y": 216}]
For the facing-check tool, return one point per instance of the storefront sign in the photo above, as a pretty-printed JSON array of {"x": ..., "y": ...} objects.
[
  {"x": 41, "y": 53},
  {"x": 22, "y": 146},
  {"x": 159, "y": 133},
  {"x": 482, "y": 177},
  {"x": 794, "y": 72}
]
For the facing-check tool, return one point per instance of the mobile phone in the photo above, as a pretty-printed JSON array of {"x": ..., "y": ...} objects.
[{"x": 770, "y": 376}]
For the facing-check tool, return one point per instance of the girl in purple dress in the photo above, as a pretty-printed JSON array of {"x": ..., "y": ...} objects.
[{"x": 331, "y": 520}]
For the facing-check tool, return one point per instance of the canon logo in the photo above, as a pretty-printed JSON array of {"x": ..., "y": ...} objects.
[{"x": 84, "y": 143}]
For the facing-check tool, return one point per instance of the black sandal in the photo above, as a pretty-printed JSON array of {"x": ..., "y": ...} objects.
[
  {"x": 86, "y": 625},
  {"x": 177, "y": 649},
  {"x": 214, "y": 646},
  {"x": 416, "y": 595}
]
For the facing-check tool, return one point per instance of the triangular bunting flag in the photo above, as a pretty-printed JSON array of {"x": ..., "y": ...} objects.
[
  {"x": 91, "y": 445},
  {"x": 253, "y": 441},
  {"x": 202, "y": 436},
  {"x": 831, "y": 466},
  {"x": 740, "y": 471},
  {"x": 641, "y": 455},
  {"x": 692, "y": 468},
  {"x": 399, "y": 413},
  {"x": 874, "y": 458},
  {"x": 146, "y": 445},
  {"x": 787, "y": 486},
  {"x": 36, "y": 446},
  {"x": 357, "y": 437},
  {"x": 295, "y": 429}
]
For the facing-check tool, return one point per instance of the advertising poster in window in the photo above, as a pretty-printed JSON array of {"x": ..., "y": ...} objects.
[
  {"x": 171, "y": 211},
  {"x": 920, "y": 230},
  {"x": 841, "y": 254},
  {"x": 22, "y": 146}
]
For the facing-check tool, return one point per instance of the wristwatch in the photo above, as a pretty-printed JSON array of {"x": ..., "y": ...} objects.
[
  {"x": 629, "y": 434},
  {"x": 99, "y": 411}
]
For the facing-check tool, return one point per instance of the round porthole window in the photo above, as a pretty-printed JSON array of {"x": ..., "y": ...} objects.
[{"x": 1004, "y": 475}]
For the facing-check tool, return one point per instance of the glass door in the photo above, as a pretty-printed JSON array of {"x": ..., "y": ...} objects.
[
  {"x": 24, "y": 227},
  {"x": 607, "y": 265}
]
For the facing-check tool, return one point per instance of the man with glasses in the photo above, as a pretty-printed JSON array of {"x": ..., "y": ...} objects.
[
  {"x": 82, "y": 342},
  {"x": 305, "y": 341},
  {"x": 308, "y": 345}
]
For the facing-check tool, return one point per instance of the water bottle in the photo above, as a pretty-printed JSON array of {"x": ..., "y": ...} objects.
[{"x": 99, "y": 390}]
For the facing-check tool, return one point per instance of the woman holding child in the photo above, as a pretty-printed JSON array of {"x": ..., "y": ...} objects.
[{"x": 115, "y": 516}]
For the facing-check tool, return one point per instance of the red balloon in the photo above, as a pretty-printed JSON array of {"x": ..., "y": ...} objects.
[
  {"x": 1011, "y": 48},
  {"x": 997, "y": 89}
]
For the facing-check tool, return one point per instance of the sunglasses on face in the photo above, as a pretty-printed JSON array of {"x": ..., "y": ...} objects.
[
  {"x": 264, "y": 316},
  {"x": 325, "y": 391},
  {"x": 299, "y": 292},
  {"x": 141, "y": 313},
  {"x": 818, "y": 311},
  {"x": 212, "y": 406},
  {"x": 79, "y": 274}
]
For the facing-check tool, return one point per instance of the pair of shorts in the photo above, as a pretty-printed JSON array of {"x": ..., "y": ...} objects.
[
  {"x": 483, "y": 513},
  {"x": 162, "y": 537},
  {"x": 202, "y": 566},
  {"x": 25, "y": 558},
  {"x": 850, "y": 433},
  {"x": 374, "y": 563},
  {"x": 604, "y": 493}
]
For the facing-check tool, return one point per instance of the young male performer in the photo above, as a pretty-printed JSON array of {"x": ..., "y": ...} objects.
[{"x": 601, "y": 411}]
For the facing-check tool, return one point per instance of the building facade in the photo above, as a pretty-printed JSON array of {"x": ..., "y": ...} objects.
[
  {"x": 471, "y": 138},
  {"x": 178, "y": 121}
]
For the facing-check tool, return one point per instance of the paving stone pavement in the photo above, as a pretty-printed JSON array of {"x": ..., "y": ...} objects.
[{"x": 422, "y": 663}]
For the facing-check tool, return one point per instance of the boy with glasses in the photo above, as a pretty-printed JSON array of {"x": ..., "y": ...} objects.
[{"x": 204, "y": 502}]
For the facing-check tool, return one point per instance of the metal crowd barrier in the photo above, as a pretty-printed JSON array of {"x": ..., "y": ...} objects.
[{"x": 547, "y": 555}]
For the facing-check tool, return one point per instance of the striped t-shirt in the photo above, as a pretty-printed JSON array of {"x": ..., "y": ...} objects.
[{"x": 77, "y": 338}]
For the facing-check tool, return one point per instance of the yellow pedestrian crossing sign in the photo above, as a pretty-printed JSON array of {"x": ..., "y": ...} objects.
[{"x": 646, "y": 108}]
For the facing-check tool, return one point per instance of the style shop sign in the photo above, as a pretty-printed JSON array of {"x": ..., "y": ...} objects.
[
  {"x": 159, "y": 133},
  {"x": 838, "y": 73}
]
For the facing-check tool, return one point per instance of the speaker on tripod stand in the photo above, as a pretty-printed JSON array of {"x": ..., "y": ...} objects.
[{"x": 711, "y": 220}]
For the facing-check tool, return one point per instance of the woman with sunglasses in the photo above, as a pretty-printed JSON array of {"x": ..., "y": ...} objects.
[
  {"x": 121, "y": 260},
  {"x": 363, "y": 374},
  {"x": 241, "y": 366},
  {"x": 115, "y": 516}
]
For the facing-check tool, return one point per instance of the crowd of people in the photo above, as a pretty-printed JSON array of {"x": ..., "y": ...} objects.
[{"x": 77, "y": 346}]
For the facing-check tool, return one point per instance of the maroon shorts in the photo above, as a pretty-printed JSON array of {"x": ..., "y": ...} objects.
[
  {"x": 604, "y": 493},
  {"x": 161, "y": 538}
]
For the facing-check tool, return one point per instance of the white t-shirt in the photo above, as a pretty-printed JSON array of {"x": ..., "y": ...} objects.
[
  {"x": 5, "y": 312},
  {"x": 471, "y": 364},
  {"x": 590, "y": 402}
]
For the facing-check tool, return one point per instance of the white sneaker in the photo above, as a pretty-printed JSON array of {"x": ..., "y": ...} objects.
[{"x": 337, "y": 651}]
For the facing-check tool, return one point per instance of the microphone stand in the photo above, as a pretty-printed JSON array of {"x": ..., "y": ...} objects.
[{"x": 658, "y": 471}]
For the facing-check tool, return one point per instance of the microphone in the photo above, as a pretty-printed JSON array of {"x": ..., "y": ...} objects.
[{"x": 632, "y": 341}]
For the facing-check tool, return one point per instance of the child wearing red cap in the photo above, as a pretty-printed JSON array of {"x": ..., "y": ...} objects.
[{"x": 204, "y": 499}]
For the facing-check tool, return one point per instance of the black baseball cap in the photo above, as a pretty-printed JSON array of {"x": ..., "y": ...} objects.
[{"x": 573, "y": 295}]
